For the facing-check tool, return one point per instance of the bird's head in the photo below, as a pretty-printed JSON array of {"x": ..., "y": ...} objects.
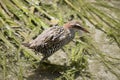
[{"x": 75, "y": 25}]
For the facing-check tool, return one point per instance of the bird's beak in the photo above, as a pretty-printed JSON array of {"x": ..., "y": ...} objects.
[{"x": 81, "y": 28}]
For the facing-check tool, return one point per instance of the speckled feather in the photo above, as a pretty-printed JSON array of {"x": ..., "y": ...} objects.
[{"x": 52, "y": 40}]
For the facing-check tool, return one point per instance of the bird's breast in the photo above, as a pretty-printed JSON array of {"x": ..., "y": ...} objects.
[{"x": 61, "y": 37}]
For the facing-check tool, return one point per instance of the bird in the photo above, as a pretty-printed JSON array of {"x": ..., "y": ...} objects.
[{"x": 54, "y": 38}]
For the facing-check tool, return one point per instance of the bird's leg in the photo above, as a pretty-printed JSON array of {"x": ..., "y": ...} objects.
[
  {"x": 45, "y": 59},
  {"x": 63, "y": 49}
]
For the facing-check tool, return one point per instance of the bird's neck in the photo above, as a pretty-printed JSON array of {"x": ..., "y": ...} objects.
[{"x": 66, "y": 26}]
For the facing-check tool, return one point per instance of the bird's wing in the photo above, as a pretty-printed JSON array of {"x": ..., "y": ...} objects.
[{"x": 48, "y": 37}]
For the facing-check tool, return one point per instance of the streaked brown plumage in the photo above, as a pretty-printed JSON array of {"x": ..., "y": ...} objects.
[{"x": 54, "y": 38}]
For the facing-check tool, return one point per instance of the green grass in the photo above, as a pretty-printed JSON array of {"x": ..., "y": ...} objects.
[{"x": 22, "y": 20}]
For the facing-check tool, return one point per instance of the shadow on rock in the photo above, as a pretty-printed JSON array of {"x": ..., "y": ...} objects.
[{"x": 47, "y": 71}]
